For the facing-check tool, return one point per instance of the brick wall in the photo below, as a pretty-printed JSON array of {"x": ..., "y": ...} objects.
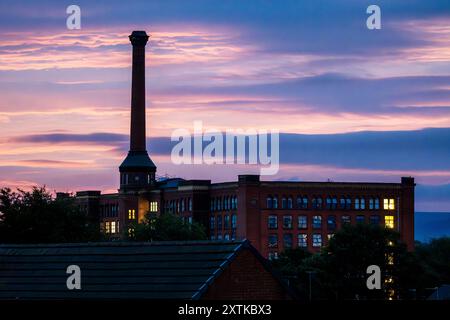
[{"x": 246, "y": 279}]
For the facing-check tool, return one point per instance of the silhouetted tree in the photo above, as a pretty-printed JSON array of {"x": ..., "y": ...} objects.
[
  {"x": 166, "y": 227},
  {"x": 35, "y": 217}
]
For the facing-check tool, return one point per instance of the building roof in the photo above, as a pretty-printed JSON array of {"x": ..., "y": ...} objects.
[
  {"x": 137, "y": 160},
  {"x": 109, "y": 270}
]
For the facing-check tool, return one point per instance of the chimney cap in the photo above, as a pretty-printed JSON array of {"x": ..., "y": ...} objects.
[{"x": 138, "y": 38}]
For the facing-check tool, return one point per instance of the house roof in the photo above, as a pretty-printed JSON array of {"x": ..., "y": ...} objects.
[
  {"x": 163, "y": 270},
  {"x": 441, "y": 293}
]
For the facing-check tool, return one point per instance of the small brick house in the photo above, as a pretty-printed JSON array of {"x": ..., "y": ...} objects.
[{"x": 189, "y": 270}]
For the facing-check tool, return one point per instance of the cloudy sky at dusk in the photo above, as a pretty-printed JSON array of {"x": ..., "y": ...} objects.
[{"x": 351, "y": 104}]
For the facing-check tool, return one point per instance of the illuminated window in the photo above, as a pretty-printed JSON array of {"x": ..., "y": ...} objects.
[
  {"x": 113, "y": 227},
  {"x": 346, "y": 219},
  {"x": 154, "y": 206},
  {"x": 388, "y": 204},
  {"x": 273, "y": 255},
  {"x": 302, "y": 240},
  {"x": 131, "y": 214},
  {"x": 389, "y": 222},
  {"x": 107, "y": 227},
  {"x": 131, "y": 232},
  {"x": 390, "y": 259},
  {"x": 362, "y": 204},
  {"x": 226, "y": 237},
  {"x": 329, "y": 236},
  {"x": 317, "y": 240}
]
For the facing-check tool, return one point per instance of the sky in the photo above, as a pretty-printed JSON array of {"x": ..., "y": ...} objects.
[{"x": 351, "y": 104}]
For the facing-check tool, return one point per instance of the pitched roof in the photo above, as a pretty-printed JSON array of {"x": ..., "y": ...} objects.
[{"x": 164, "y": 270}]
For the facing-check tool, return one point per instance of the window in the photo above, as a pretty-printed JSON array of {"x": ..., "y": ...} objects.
[
  {"x": 117, "y": 227},
  {"x": 272, "y": 222},
  {"x": 390, "y": 259},
  {"x": 377, "y": 204},
  {"x": 182, "y": 205},
  {"x": 225, "y": 203},
  {"x": 346, "y": 219},
  {"x": 317, "y": 240},
  {"x": 342, "y": 203},
  {"x": 273, "y": 255},
  {"x": 357, "y": 204},
  {"x": 334, "y": 203},
  {"x": 212, "y": 223},
  {"x": 289, "y": 203},
  {"x": 131, "y": 232},
  {"x": 219, "y": 204},
  {"x": 348, "y": 204},
  {"x": 389, "y": 222},
  {"x": 275, "y": 202},
  {"x": 153, "y": 206},
  {"x": 219, "y": 222},
  {"x": 283, "y": 203},
  {"x": 317, "y": 222},
  {"x": 107, "y": 227},
  {"x": 302, "y": 240},
  {"x": 287, "y": 222},
  {"x": 302, "y": 222},
  {"x": 131, "y": 214},
  {"x": 273, "y": 240},
  {"x": 113, "y": 227},
  {"x": 219, "y": 236},
  {"x": 317, "y": 203},
  {"x": 213, "y": 237},
  {"x": 226, "y": 221},
  {"x": 388, "y": 204},
  {"x": 360, "y": 219},
  {"x": 234, "y": 203},
  {"x": 331, "y": 222},
  {"x": 233, "y": 221},
  {"x": 362, "y": 204},
  {"x": 233, "y": 234},
  {"x": 190, "y": 204},
  {"x": 329, "y": 236},
  {"x": 190, "y": 219},
  {"x": 375, "y": 219},
  {"x": 287, "y": 240},
  {"x": 226, "y": 237},
  {"x": 328, "y": 203},
  {"x": 371, "y": 204},
  {"x": 269, "y": 202}
]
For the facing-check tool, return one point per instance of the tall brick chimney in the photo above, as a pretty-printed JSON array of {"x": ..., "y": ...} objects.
[{"x": 137, "y": 171}]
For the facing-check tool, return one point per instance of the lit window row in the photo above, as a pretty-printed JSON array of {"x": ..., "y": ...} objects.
[
  {"x": 223, "y": 203},
  {"x": 330, "y": 203},
  {"x": 316, "y": 221},
  {"x": 153, "y": 206},
  {"x": 110, "y": 227}
]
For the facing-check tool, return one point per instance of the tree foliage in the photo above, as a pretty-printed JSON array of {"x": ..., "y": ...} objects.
[
  {"x": 166, "y": 227},
  {"x": 35, "y": 217}
]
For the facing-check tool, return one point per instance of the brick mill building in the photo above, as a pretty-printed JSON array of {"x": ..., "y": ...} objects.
[{"x": 273, "y": 215}]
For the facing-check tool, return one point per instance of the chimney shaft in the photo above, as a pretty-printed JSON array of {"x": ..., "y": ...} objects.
[{"x": 137, "y": 131}]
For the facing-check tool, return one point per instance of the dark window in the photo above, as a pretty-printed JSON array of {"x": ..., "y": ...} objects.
[
  {"x": 226, "y": 221},
  {"x": 334, "y": 203},
  {"x": 375, "y": 219},
  {"x": 360, "y": 219},
  {"x": 317, "y": 240},
  {"x": 269, "y": 202},
  {"x": 212, "y": 223},
  {"x": 219, "y": 222},
  {"x": 348, "y": 204},
  {"x": 302, "y": 222},
  {"x": 289, "y": 204},
  {"x": 272, "y": 222},
  {"x": 287, "y": 222},
  {"x": 283, "y": 203},
  {"x": 342, "y": 203},
  {"x": 275, "y": 202},
  {"x": 317, "y": 222},
  {"x": 328, "y": 205},
  {"x": 287, "y": 240},
  {"x": 273, "y": 240},
  {"x": 346, "y": 220},
  {"x": 377, "y": 204},
  {"x": 233, "y": 221},
  {"x": 331, "y": 222}
]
